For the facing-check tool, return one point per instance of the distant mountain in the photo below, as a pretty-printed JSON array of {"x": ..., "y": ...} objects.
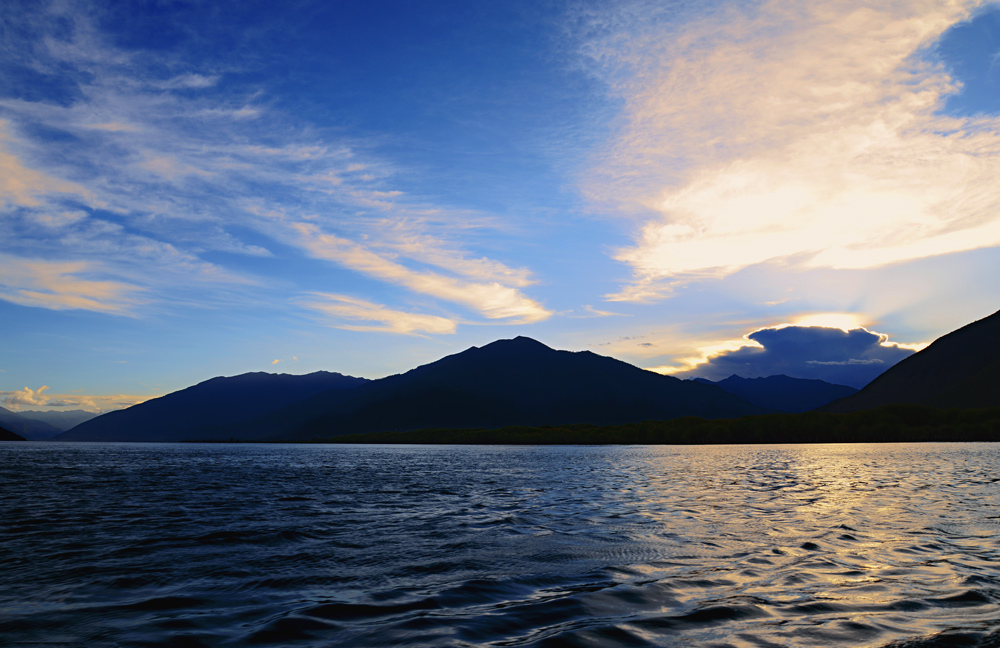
[
  {"x": 783, "y": 393},
  {"x": 7, "y": 435},
  {"x": 960, "y": 369},
  {"x": 214, "y": 402},
  {"x": 29, "y": 428},
  {"x": 508, "y": 382},
  {"x": 62, "y": 420}
]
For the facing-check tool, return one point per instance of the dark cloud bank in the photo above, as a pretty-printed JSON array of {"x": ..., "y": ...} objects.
[{"x": 852, "y": 358}]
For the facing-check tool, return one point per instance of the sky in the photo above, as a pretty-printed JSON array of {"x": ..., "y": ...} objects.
[{"x": 200, "y": 188}]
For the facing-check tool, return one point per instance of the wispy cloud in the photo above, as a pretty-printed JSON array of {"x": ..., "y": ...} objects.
[
  {"x": 590, "y": 311},
  {"x": 493, "y": 299},
  {"x": 189, "y": 80},
  {"x": 163, "y": 165},
  {"x": 810, "y": 133},
  {"x": 64, "y": 285},
  {"x": 386, "y": 320},
  {"x": 21, "y": 185}
]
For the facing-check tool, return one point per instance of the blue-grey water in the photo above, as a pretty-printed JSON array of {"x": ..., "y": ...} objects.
[{"x": 325, "y": 545}]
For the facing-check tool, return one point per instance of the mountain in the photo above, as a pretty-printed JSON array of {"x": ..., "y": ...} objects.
[
  {"x": 508, "y": 382},
  {"x": 62, "y": 420},
  {"x": 7, "y": 435},
  {"x": 960, "y": 370},
  {"x": 218, "y": 401},
  {"x": 26, "y": 427},
  {"x": 783, "y": 393}
]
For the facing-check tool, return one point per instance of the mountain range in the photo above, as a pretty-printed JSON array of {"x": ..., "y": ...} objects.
[
  {"x": 507, "y": 382},
  {"x": 28, "y": 427},
  {"x": 783, "y": 393},
  {"x": 62, "y": 420},
  {"x": 523, "y": 382}
]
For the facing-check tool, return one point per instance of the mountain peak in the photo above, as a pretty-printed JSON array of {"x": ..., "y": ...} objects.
[
  {"x": 521, "y": 341},
  {"x": 518, "y": 346}
]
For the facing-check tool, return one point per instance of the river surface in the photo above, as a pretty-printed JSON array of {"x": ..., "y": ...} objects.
[{"x": 328, "y": 545}]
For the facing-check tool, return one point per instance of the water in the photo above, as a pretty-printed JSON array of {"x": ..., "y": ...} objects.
[{"x": 294, "y": 545}]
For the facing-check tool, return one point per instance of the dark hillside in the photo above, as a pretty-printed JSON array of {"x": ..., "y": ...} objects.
[
  {"x": 7, "y": 435},
  {"x": 960, "y": 369}
]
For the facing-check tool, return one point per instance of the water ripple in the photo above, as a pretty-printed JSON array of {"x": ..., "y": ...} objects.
[{"x": 738, "y": 546}]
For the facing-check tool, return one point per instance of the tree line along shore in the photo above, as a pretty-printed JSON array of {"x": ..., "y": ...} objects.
[{"x": 886, "y": 424}]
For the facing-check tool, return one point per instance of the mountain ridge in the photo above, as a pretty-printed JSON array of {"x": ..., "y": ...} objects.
[
  {"x": 514, "y": 381},
  {"x": 503, "y": 382},
  {"x": 63, "y": 420},
  {"x": 784, "y": 393}
]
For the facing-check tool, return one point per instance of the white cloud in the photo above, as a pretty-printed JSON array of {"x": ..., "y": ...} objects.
[
  {"x": 343, "y": 307},
  {"x": 185, "y": 81},
  {"x": 28, "y": 398},
  {"x": 492, "y": 299},
  {"x": 409, "y": 238},
  {"x": 239, "y": 114},
  {"x": 24, "y": 186},
  {"x": 594, "y": 312},
  {"x": 66, "y": 285},
  {"x": 171, "y": 168},
  {"x": 808, "y": 132}
]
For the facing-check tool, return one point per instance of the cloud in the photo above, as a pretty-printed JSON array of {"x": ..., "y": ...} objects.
[
  {"x": 854, "y": 357},
  {"x": 61, "y": 285},
  {"x": 23, "y": 186},
  {"x": 493, "y": 299},
  {"x": 186, "y": 81},
  {"x": 343, "y": 307},
  {"x": 171, "y": 168},
  {"x": 408, "y": 237},
  {"x": 810, "y": 134},
  {"x": 594, "y": 312},
  {"x": 26, "y": 397},
  {"x": 167, "y": 177}
]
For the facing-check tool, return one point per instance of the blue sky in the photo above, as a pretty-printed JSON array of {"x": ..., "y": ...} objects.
[{"x": 192, "y": 189}]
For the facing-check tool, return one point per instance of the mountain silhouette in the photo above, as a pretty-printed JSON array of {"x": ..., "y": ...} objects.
[
  {"x": 27, "y": 427},
  {"x": 217, "y": 401},
  {"x": 958, "y": 370},
  {"x": 63, "y": 420},
  {"x": 508, "y": 382},
  {"x": 783, "y": 393},
  {"x": 7, "y": 435}
]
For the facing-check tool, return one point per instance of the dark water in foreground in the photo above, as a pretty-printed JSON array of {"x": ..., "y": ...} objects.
[{"x": 251, "y": 545}]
